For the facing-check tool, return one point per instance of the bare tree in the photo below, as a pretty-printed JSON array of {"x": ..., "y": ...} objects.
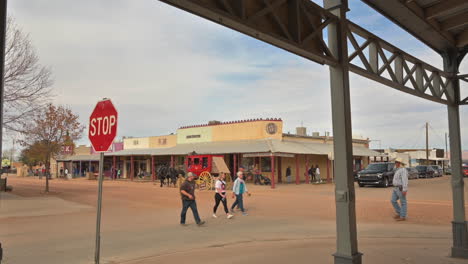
[
  {"x": 53, "y": 127},
  {"x": 27, "y": 83}
]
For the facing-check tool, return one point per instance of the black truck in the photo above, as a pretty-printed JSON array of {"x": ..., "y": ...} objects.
[{"x": 377, "y": 174}]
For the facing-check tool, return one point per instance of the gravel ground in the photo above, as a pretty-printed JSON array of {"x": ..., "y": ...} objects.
[{"x": 291, "y": 223}]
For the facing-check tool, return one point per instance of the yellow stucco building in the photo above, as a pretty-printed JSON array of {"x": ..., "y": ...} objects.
[{"x": 258, "y": 143}]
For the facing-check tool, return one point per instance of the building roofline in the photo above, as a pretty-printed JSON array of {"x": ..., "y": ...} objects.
[
  {"x": 232, "y": 122},
  {"x": 322, "y": 137}
]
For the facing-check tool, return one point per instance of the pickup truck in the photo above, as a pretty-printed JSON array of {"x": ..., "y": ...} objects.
[{"x": 377, "y": 174}]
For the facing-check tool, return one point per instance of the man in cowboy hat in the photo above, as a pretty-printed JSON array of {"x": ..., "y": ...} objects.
[{"x": 400, "y": 188}]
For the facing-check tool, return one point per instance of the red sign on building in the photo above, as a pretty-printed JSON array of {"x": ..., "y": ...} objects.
[
  {"x": 103, "y": 125},
  {"x": 66, "y": 150}
]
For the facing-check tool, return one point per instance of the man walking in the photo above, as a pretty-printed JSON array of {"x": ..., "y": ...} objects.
[
  {"x": 187, "y": 192},
  {"x": 400, "y": 188}
]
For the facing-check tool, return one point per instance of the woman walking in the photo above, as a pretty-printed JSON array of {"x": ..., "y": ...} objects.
[
  {"x": 220, "y": 195},
  {"x": 238, "y": 190}
]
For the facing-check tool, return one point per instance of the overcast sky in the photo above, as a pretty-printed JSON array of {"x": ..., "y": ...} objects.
[{"x": 164, "y": 68}]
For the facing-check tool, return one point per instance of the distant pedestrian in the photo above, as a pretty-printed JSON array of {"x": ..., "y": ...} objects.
[
  {"x": 400, "y": 189},
  {"x": 288, "y": 174},
  {"x": 311, "y": 173},
  {"x": 187, "y": 192},
  {"x": 66, "y": 173},
  {"x": 220, "y": 195},
  {"x": 256, "y": 172},
  {"x": 318, "y": 178},
  {"x": 238, "y": 190},
  {"x": 118, "y": 173}
]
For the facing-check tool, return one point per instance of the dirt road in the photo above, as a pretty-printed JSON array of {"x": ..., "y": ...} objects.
[{"x": 291, "y": 223}]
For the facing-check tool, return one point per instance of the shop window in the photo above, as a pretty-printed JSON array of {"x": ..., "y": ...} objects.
[
  {"x": 205, "y": 162},
  {"x": 248, "y": 163},
  {"x": 266, "y": 164}
]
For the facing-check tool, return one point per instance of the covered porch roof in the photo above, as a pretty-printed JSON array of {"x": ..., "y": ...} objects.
[
  {"x": 245, "y": 146},
  {"x": 440, "y": 24}
]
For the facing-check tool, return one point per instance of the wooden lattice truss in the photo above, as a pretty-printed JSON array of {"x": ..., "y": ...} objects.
[{"x": 298, "y": 27}]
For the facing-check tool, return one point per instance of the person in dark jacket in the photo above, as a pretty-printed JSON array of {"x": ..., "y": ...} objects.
[
  {"x": 288, "y": 174},
  {"x": 187, "y": 192}
]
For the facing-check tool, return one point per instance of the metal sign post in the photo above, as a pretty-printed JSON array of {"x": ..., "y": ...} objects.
[
  {"x": 102, "y": 131},
  {"x": 99, "y": 203}
]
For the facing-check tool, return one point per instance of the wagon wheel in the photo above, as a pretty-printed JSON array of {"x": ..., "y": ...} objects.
[{"x": 205, "y": 181}]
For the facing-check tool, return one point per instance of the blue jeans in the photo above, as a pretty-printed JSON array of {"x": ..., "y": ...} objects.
[
  {"x": 397, "y": 194},
  {"x": 239, "y": 201},
  {"x": 186, "y": 204}
]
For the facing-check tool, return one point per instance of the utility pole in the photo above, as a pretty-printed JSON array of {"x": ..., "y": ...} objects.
[{"x": 427, "y": 143}]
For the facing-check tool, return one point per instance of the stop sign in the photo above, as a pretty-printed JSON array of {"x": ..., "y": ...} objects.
[{"x": 103, "y": 125}]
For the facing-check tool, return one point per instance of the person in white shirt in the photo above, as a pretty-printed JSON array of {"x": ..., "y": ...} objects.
[
  {"x": 317, "y": 174},
  {"x": 400, "y": 189},
  {"x": 220, "y": 195}
]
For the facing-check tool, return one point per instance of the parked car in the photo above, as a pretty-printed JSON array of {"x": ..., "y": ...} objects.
[
  {"x": 425, "y": 171},
  {"x": 377, "y": 174},
  {"x": 438, "y": 172},
  {"x": 448, "y": 171},
  {"x": 412, "y": 173},
  {"x": 465, "y": 171}
]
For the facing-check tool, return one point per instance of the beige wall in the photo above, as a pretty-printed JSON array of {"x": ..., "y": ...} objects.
[
  {"x": 356, "y": 143},
  {"x": 194, "y": 135},
  {"x": 136, "y": 143},
  {"x": 82, "y": 150},
  {"x": 246, "y": 131},
  {"x": 163, "y": 141}
]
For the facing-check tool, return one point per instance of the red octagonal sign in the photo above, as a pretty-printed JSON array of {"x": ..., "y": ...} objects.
[{"x": 103, "y": 125}]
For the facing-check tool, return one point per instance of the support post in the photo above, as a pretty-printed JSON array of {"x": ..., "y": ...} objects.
[
  {"x": 399, "y": 69},
  {"x": 153, "y": 172},
  {"x": 280, "y": 174},
  {"x": 373, "y": 57},
  {"x": 131, "y": 168},
  {"x": 307, "y": 169},
  {"x": 172, "y": 161},
  {"x": 3, "y": 26},
  {"x": 328, "y": 171},
  {"x": 272, "y": 158},
  {"x": 347, "y": 246},
  {"x": 114, "y": 171},
  {"x": 459, "y": 223},
  {"x": 81, "y": 169},
  {"x": 235, "y": 166},
  {"x": 297, "y": 168}
]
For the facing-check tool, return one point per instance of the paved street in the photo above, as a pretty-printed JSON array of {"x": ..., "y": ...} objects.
[{"x": 140, "y": 225}]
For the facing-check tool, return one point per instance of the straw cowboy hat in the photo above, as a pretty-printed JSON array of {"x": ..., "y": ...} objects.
[{"x": 400, "y": 160}]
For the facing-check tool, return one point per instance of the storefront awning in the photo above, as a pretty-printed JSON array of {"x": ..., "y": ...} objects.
[
  {"x": 90, "y": 157},
  {"x": 251, "y": 147}
]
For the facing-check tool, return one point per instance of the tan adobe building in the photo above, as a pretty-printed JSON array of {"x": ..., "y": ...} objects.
[{"x": 257, "y": 143}]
